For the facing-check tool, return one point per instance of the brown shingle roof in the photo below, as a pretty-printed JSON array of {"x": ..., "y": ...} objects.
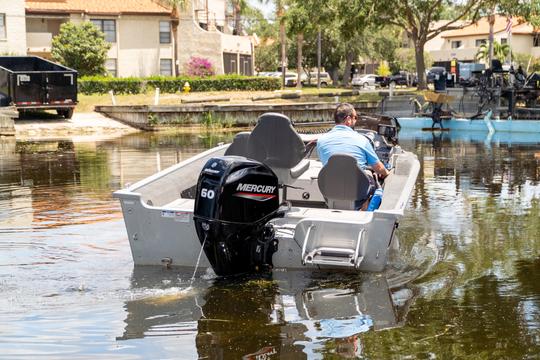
[
  {"x": 481, "y": 27},
  {"x": 115, "y": 7}
]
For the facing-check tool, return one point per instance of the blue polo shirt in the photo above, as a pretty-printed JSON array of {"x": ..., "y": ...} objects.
[{"x": 342, "y": 139}]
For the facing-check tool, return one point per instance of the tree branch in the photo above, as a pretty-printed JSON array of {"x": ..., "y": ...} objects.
[{"x": 449, "y": 25}]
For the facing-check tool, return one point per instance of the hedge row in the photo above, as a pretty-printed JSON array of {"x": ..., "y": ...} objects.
[{"x": 102, "y": 85}]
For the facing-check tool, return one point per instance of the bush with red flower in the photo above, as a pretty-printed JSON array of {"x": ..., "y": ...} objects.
[{"x": 197, "y": 66}]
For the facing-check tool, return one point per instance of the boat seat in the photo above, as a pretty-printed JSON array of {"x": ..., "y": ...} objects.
[
  {"x": 239, "y": 146},
  {"x": 275, "y": 143},
  {"x": 343, "y": 183}
]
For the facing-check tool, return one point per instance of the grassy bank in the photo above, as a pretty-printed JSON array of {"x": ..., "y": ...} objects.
[{"x": 88, "y": 102}]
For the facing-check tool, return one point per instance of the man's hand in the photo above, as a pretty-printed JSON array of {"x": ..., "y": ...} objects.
[{"x": 380, "y": 170}]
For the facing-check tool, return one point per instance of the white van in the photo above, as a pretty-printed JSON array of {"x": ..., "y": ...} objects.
[{"x": 312, "y": 78}]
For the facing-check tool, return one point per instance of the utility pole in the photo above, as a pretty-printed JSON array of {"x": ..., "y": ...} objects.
[
  {"x": 282, "y": 40},
  {"x": 207, "y": 22},
  {"x": 319, "y": 59}
]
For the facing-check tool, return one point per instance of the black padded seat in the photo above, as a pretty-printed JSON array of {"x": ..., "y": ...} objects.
[
  {"x": 239, "y": 146},
  {"x": 275, "y": 143},
  {"x": 343, "y": 183}
]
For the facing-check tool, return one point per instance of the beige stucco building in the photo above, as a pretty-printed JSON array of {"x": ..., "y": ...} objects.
[
  {"x": 139, "y": 32},
  {"x": 12, "y": 27},
  {"x": 208, "y": 34},
  {"x": 463, "y": 44}
]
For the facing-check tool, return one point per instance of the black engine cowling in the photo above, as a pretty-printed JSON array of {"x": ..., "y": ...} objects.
[{"x": 236, "y": 197}]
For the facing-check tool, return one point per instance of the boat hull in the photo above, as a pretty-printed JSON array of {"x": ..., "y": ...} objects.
[
  {"x": 515, "y": 125},
  {"x": 161, "y": 230}
]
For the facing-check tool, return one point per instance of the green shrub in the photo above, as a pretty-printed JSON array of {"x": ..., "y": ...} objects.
[
  {"x": 103, "y": 84},
  {"x": 169, "y": 84},
  {"x": 81, "y": 47}
]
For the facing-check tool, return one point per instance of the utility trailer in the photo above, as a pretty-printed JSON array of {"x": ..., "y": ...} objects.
[{"x": 31, "y": 82}]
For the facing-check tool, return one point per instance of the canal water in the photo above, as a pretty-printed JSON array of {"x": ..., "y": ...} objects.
[{"x": 464, "y": 284}]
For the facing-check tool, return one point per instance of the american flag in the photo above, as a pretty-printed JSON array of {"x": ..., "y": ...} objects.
[{"x": 508, "y": 25}]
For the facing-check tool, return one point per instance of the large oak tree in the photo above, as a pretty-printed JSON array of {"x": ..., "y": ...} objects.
[{"x": 417, "y": 19}]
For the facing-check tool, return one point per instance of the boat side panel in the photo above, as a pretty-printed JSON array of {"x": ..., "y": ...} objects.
[
  {"x": 400, "y": 183},
  {"x": 157, "y": 234}
]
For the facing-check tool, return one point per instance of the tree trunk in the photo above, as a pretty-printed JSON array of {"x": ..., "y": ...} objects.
[
  {"x": 299, "y": 44},
  {"x": 491, "y": 20},
  {"x": 334, "y": 75},
  {"x": 420, "y": 64},
  {"x": 174, "y": 25},
  {"x": 348, "y": 65},
  {"x": 237, "y": 18}
]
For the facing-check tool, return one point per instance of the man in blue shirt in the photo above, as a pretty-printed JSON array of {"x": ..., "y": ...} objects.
[{"x": 345, "y": 140}]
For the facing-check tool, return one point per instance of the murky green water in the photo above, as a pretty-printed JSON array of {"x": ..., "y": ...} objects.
[{"x": 465, "y": 284}]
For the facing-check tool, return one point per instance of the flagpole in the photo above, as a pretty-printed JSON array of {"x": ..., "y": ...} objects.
[
  {"x": 510, "y": 46},
  {"x": 509, "y": 23}
]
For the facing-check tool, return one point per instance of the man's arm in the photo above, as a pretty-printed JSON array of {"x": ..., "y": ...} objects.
[{"x": 379, "y": 168}]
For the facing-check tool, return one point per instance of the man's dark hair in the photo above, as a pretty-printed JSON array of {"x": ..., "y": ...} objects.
[{"x": 342, "y": 111}]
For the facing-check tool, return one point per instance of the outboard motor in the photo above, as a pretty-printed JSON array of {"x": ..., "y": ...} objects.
[{"x": 236, "y": 197}]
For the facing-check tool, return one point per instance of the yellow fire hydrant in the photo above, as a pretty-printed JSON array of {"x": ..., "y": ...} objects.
[{"x": 186, "y": 87}]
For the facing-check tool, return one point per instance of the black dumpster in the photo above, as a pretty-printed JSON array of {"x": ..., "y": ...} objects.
[{"x": 30, "y": 82}]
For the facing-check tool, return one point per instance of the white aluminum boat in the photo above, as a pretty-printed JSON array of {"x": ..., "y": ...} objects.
[{"x": 167, "y": 215}]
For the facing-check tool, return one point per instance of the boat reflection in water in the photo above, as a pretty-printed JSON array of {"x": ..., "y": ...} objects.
[{"x": 291, "y": 313}]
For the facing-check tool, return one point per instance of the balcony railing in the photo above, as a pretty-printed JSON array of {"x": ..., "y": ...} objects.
[{"x": 39, "y": 41}]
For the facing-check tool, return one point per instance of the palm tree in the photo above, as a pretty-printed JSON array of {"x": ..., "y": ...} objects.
[
  {"x": 500, "y": 52},
  {"x": 239, "y": 7}
]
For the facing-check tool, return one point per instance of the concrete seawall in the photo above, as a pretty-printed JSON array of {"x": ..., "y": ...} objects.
[
  {"x": 7, "y": 123},
  {"x": 153, "y": 117}
]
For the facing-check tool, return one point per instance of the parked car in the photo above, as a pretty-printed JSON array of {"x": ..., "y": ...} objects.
[
  {"x": 291, "y": 79},
  {"x": 312, "y": 78},
  {"x": 401, "y": 78},
  {"x": 365, "y": 81}
]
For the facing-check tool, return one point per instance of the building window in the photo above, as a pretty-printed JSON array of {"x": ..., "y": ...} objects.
[
  {"x": 456, "y": 44},
  {"x": 3, "y": 34},
  {"x": 164, "y": 32},
  {"x": 504, "y": 41},
  {"x": 165, "y": 67},
  {"x": 480, "y": 42},
  {"x": 108, "y": 27},
  {"x": 536, "y": 40},
  {"x": 110, "y": 66},
  {"x": 230, "y": 63}
]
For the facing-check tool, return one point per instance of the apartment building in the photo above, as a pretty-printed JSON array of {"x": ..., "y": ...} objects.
[
  {"x": 139, "y": 31},
  {"x": 12, "y": 28},
  {"x": 205, "y": 31},
  {"x": 141, "y": 34},
  {"x": 463, "y": 44}
]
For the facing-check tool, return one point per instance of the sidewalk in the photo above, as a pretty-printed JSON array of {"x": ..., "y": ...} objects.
[{"x": 83, "y": 126}]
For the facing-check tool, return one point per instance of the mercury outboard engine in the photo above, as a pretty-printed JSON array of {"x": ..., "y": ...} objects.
[{"x": 236, "y": 197}]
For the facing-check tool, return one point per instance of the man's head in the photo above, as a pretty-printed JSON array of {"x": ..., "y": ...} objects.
[{"x": 345, "y": 114}]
